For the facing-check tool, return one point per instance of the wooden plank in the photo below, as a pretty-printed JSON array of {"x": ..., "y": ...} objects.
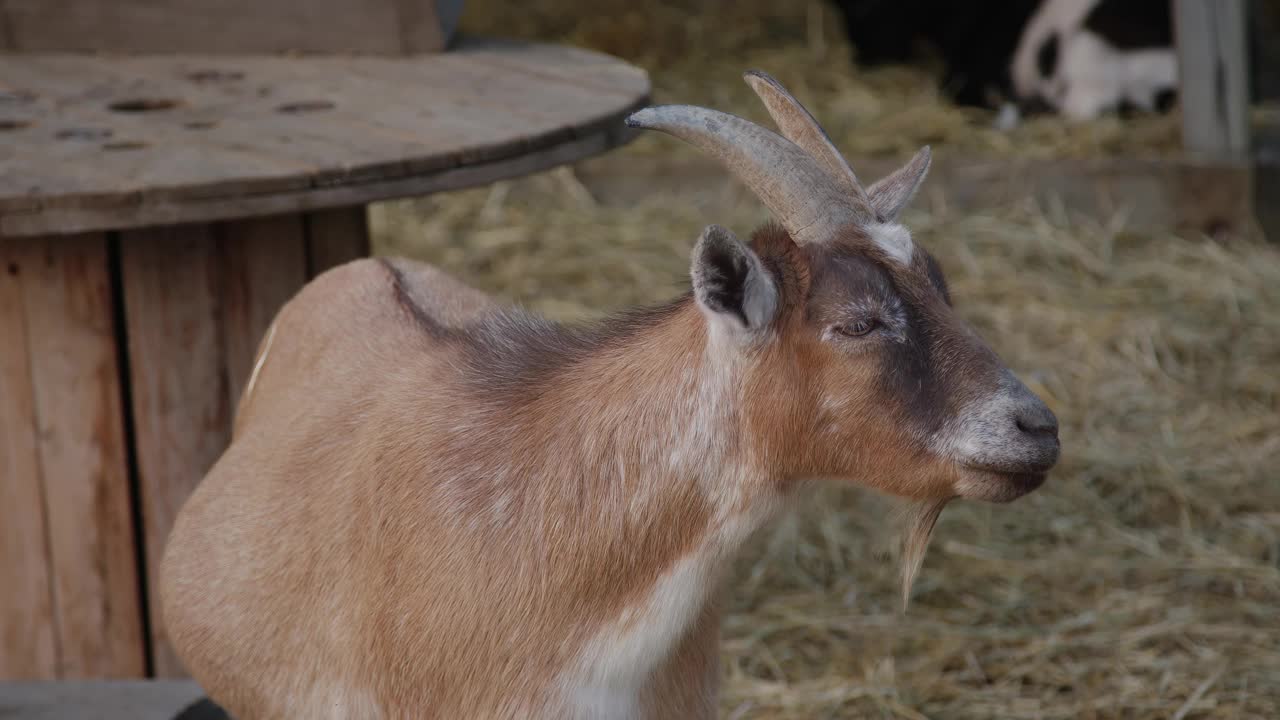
[
  {"x": 336, "y": 237},
  {"x": 1213, "y": 200},
  {"x": 165, "y": 211},
  {"x": 6, "y": 32},
  {"x": 67, "y": 293},
  {"x": 1264, "y": 51},
  {"x": 1213, "y": 64},
  {"x": 179, "y": 383},
  {"x": 264, "y": 262},
  {"x": 28, "y": 648},
  {"x": 1266, "y": 179},
  {"x": 138, "y": 141},
  {"x": 225, "y": 26}
]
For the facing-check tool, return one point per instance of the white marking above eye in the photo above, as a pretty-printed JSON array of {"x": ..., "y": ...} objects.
[{"x": 894, "y": 240}]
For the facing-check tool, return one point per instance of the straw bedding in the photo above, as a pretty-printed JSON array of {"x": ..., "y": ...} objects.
[{"x": 1143, "y": 580}]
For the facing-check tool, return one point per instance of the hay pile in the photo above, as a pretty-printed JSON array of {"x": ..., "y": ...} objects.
[{"x": 1143, "y": 581}]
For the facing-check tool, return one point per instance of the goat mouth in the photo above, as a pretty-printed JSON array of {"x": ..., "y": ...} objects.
[
  {"x": 1026, "y": 482},
  {"x": 1000, "y": 486},
  {"x": 1037, "y": 466}
]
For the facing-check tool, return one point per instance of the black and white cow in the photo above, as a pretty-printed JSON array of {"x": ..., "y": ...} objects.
[{"x": 1077, "y": 57}]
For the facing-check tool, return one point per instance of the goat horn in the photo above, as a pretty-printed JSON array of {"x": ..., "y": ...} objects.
[
  {"x": 799, "y": 126},
  {"x": 795, "y": 188}
]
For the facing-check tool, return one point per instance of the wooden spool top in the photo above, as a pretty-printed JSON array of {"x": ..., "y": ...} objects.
[{"x": 98, "y": 143}]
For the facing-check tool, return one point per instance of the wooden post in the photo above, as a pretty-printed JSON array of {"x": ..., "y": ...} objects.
[
  {"x": 264, "y": 262},
  {"x": 1213, "y": 67},
  {"x": 179, "y": 384},
  {"x": 1264, "y": 72},
  {"x": 1266, "y": 180},
  {"x": 336, "y": 237},
  {"x": 1214, "y": 75},
  {"x": 28, "y": 642},
  {"x": 67, "y": 504}
]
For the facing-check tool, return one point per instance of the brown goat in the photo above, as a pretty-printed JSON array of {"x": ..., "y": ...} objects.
[{"x": 437, "y": 507}]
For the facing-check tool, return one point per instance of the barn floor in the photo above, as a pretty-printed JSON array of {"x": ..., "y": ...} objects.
[
  {"x": 1141, "y": 582},
  {"x": 99, "y": 700}
]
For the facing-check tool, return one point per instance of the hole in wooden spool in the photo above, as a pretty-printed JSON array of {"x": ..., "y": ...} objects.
[
  {"x": 13, "y": 268},
  {"x": 13, "y": 124},
  {"x": 214, "y": 76},
  {"x": 83, "y": 134},
  {"x": 305, "y": 106},
  {"x": 200, "y": 124},
  {"x": 141, "y": 105},
  {"x": 124, "y": 145}
]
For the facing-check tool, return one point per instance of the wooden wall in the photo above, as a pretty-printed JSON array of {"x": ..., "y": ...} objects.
[
  {"x": 121, "y": 359},
  {"x": 387, "y": 27}
]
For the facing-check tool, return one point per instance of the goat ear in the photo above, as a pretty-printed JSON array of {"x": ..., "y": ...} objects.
[
  {"x": 730, "y": 283},
  {"x": 892, "y": 193}
]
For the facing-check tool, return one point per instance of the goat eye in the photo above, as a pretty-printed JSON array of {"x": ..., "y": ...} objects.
[{"x": 859, "y": 328}]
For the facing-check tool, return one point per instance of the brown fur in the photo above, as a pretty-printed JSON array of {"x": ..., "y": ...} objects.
[
  {"x": 318, "y": 433},
  {"x": 432, "y": 505}
]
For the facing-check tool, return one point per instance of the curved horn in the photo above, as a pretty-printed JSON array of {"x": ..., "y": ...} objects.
[
  {"x": 799, "y": 192},
  {"x": 800, "y": 127}
]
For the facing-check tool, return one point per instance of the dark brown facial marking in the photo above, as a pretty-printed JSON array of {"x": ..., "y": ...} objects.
[{"x": 851, "y": 290}]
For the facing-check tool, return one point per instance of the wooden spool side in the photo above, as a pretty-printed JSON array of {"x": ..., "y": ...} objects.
[
  {"x": 28, "y": 643},
  {"x": 192, "y": 138},
  {"x": 198, "y": 300},
  {"x": 179, "y": 384},
  {"x": 79, "y": 614},
  {"x": 335, "y": 237},
  {"x": 264, "y": 262}
]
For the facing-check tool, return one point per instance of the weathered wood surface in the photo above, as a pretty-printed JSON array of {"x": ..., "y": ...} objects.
[
  {"x": 264, "y": 262},
  {"x": 198, "y": 299},
  {"x": 74, "y": 415},
  {"x": 179, "y": 383},
  {"x": 1214, "y": 76},
  {"x": 335, "y": 237},
  {"x": 28, "y": 646},
  {"x": 221, "y": 26},
  {"x": 203, "y": 138}
]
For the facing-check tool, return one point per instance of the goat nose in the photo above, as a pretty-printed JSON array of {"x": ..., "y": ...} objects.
[{"x": 1037, "y": 419}]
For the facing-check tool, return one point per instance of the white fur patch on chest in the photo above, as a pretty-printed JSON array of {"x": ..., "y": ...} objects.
[
  {"x": 334, "y": 699},
  {"x": 615, "y": 665}
]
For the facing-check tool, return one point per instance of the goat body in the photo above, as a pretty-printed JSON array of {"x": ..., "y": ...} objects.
[{"x": 433, "y": 506}]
